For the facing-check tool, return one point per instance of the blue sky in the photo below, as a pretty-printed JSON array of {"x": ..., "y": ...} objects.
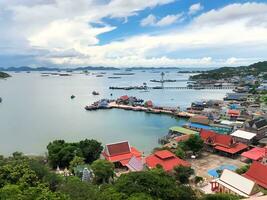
[{"x": 120, "y": 33}]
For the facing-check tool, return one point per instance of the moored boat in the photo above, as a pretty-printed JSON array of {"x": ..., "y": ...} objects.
[{"x": 95, "y": 93}]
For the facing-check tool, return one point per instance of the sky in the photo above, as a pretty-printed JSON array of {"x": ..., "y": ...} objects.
[{"x": 132, "y": 33}]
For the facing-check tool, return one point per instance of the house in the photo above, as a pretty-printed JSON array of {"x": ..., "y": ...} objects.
[
  {"x": 236, "y": 96},
  {"x": 200, "y": 119},
  {"x": 257, "y": 173},
  {"x": 233, "y": 114},
  {"x": 120, "y": 153},
  {"x": 166, "y": 159},
  {"x": 262, "y": 87},
  {"x": 233, "y": 183},
  {"x": 123, "y": 99},
  {"x": 244, "y": 136},
  {"x": 255, "y": 154},
  {"x": 149, "y": 104},
  {"x": 224, "y": 144},
  {"x": 198, "y": 105},
  {"x": 258, "y": 126}
]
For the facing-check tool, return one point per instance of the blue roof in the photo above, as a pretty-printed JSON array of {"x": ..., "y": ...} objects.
[
  {"x": 195, "y": 125},
  {"x": 221, "y": 130}
]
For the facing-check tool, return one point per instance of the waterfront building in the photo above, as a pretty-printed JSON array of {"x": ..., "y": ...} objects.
[
  {"x": 200, "y": 119},
  {"x": 166, "y": 159},
  {"x": 223, "y": 144},
  {"x": 244, "y": 136},
  {"x": 257, "y": 173},
  {"x": 149, "y": 104},
  {"x": 120, "y": 153},
  {"x": 178, "y": 130},
  {"x": 236, "y": 96},
  {"x": 233, "y": 183}
]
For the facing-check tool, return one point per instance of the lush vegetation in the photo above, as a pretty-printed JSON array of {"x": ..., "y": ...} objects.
[
  {"x": 31, "y": 178},
  {"x": 61, "y": 153},
  {"x": 4, "y": 75},
  {"x": 242, "y": 169},
  {"x": 228, "y": 72},
  {"x": 194, "y": 143}
]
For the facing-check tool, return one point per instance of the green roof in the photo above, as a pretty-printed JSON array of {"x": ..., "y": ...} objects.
[{"x": 182, "y": 130}]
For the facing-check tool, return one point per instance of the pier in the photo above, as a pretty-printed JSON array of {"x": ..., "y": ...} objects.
[
  {"x": 167, "y": 111},
  {"x": 172, "y": 88}
]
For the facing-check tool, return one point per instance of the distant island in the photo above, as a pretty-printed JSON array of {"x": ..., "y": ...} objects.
[
  {"x": 4, "y": 75},
  {"x": 26, "y": 68},
  {"x": 152, "y": 68},
  {"x": 256, "y": 69}
]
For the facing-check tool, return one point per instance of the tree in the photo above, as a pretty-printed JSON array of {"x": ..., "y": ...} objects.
[
  {"x": 180, "y": 153},
  {"x": 183, "y": 173},
  {"x": 75, "y": 162},
  {"x": 61, "y": 153},
  {"x": 91, "y": 150},
  {"x": 103, "y": 170},
  {"x": 140, "y": 196},
  {"x": 220, "y": 197},
  {"x": 76, "y": 189},
  {"x": 155, "y": 183},
  {"x": 194, "y": 143},
  {"x": 242, "y": 169}
]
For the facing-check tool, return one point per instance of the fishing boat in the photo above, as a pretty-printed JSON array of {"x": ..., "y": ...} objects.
[{"x": 95, "y": 93}]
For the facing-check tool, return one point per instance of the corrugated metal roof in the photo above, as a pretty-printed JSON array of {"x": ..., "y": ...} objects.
[
  {"x": 244, "y": 134},
  {"x": 238, "y": 182}
]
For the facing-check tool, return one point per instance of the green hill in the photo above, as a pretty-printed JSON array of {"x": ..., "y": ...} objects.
[
  {"x": 228, "y": 72},
  {"x": 4, "y": 75}
]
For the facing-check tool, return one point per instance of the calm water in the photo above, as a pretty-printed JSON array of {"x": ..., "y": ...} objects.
[{"x": 36, "y": 110}]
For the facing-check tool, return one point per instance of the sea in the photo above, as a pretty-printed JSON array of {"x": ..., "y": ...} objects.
[{"x": 37, "y": 109}]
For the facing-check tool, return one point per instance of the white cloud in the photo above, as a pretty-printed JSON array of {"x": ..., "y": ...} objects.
[
  {"x": 169, "y": 19},
  {"x": 151, "y": 20},
  {"x": 193, "y": 9},
  {"x": 59, "y": 32}
]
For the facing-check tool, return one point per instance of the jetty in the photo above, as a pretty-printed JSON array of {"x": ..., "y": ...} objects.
[
  {"x": 112, "y": 104},
  {"x": 172, "y": 88}
]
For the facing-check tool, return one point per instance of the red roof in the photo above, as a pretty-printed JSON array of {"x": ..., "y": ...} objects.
[
  {"x": 117, "y": 148},
  {"x": 232, "y": 150},
  {"x": 255, "y": 153},
  {"x": 124, "y": 97},
  {"x": 166, "y": 159},
  {"x": 205, "y": 134},
  {"x": 234, "y": 113},
  {"x": 122, "y": 157},
  {"x": 214, "y": 138},
  {"x": 257, "y": 173},
  {"x": 149, "y": 103},
  {"x": 120, "y": 152},
  {"x": 222, "y": 142}
]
